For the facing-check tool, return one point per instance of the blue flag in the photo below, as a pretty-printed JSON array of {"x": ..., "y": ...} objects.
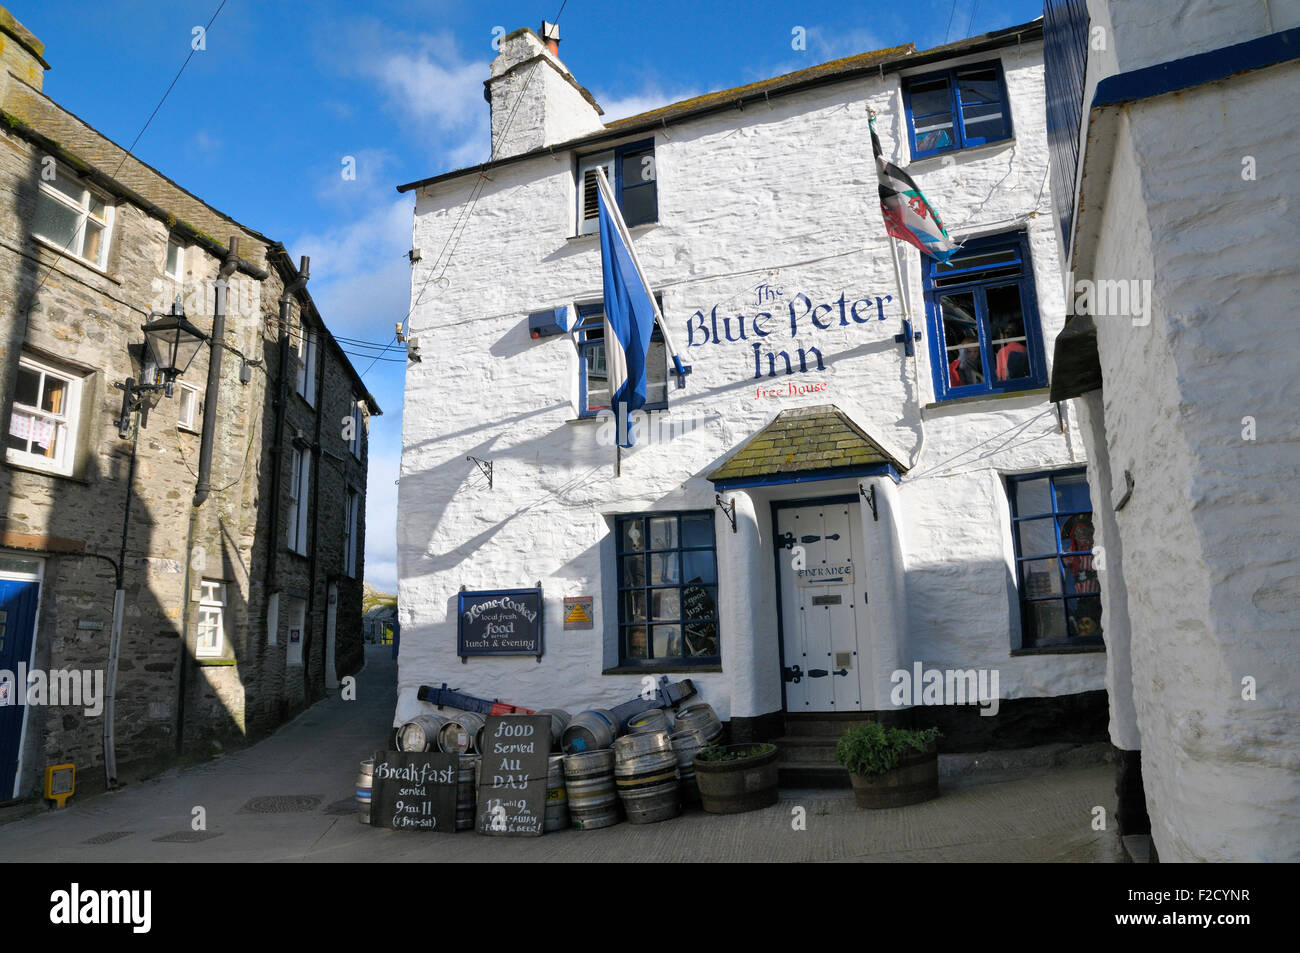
[{"x": 629, "y": 316}]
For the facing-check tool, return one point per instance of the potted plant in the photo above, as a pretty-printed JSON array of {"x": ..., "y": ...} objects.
[
  {"x": 736, "y": 778},
  {"x": 890, "y": 767}
]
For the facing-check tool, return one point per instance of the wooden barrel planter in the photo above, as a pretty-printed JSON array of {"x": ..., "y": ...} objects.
[
  {"x": 744, "y": 784},
  {"x": 915, "y": 779}
]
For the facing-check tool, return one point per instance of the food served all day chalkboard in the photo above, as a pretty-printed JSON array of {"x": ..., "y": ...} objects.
[
  {"x": 414, "y": 791},
  {"x": 500, "y": 622},
  {"x": 512, "y": 775}
]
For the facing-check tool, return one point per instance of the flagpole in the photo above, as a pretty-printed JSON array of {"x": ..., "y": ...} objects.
[{"x": 616, "y": 215}]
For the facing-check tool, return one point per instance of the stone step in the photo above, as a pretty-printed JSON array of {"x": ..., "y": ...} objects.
[
  {"x": 794, "y": 775},
  {"x": 823, "y": 724},
  {"x": 806, "y": 749}
]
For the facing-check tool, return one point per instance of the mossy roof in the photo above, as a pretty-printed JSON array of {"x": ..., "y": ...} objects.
[{"x": 804, "y": 440}]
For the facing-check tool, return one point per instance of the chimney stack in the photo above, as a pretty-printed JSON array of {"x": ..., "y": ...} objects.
[
  {"x": 20, "y": 53},
  {"x": 551, "y": 37}
]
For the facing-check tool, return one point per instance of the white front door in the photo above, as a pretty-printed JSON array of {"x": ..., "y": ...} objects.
[{"x": 819, "y": 556}]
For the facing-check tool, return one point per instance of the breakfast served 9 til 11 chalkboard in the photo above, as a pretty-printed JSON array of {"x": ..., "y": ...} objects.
[
  {"x": 513, "y": 765},
  {"x": 414, "y": 791}
]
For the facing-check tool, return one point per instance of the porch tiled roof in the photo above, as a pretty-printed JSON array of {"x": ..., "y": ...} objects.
[{"x": 804, "y": 440}]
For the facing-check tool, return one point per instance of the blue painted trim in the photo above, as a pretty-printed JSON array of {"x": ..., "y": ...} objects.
[
  {"x": 619, "y": 153},
  {"x": 960, "y": 140},
  {"x": 813, "y": 501},
  {"x": 809, "y": 476},
  {"x": 1196, "y": 70}
]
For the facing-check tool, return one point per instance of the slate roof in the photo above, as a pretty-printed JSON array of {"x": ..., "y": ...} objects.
[{"x": 804, "y": 440}]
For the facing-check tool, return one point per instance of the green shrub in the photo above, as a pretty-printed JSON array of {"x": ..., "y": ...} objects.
[
  {"x": 870, "y": 749},
  {"x": 715, "y": 754}
]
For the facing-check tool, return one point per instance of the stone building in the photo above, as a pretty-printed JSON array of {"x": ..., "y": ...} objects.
[
  {"x": 1173, "y": 130},
  {"x": 810, "y": 434},
  {"x": 242, "y": 581}
]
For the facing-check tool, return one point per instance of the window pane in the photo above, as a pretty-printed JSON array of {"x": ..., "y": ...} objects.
[
  {"x": 598, "y": 397},
  {"x": 1084, "y": 617},
  {"x": 656, "y": 391},
  {"x": 697, "y": 530},
  {"x": 1046, "y": 623},
  {"x": 97, "y": 207},
  {"x": 55, "y": 396},
  {"x": 930, "y": 97},
  {"x": 1042, "y": 578},
  {"x": 665, "y": 604},
  {"x": 634, "y": 571},
  {"x": 1007, "y": 332},
  {"x": 989, "y": 129},
  {"x": 663, "y": 532},
  {"x": 934, "y": 133},
  {"x": 978, "y": 86},
  {"x": 28, "y": 389},
  {"x": 1037, "y": 537},
  {"x": 698, "y": 567},
  {"x": 667, "y": 641},
  {"x": 663, "y": 569},
  {"x": 56, "y": 222},
  {"x": 633, "y": 539},
  {"x": 638, "y": 168},
  {"x": 961, "y": 337},
  {"x": 1072, "y": 493},
  {"x": 1076, "y": 543},
  {"x": 635, "y": 642},
  {"x": 1032, "y": 497},
  {"x": 981, "y": 259},
  {"x": 634, "y": 606},
  {"x": 173, "y": 258},
  {"x": 69, "y": 186},
  {"x": 638, "y": 205}
]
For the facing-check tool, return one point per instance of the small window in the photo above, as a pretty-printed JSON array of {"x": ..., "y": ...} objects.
[
  {"x": 175, "y": 269},
  {"x": 305, "y": 349},
  {"x": 350, "y": 534},
  {"x": 593, "y": 374},
  {"x": 43, "y": 424},
  {"x": 188, "y": 412},
  {"x": 211, "y": 635},
  {"x": 74, "y": 217},
  {"x": 1051, "y": 525},
  {"x": 983, "y": 320},
  {"x": 957, "y": 109},
  {"x": 299, "y": 495},
  {"x": 632, "y": 177},
  {"x": 358, "y": 421},
  {"x": 667, "y": 589}
]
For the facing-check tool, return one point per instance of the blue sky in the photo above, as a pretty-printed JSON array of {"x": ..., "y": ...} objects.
[{"x": 262, "y": 119}]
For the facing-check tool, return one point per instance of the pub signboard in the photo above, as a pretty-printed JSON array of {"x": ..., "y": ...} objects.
[{"x": 499, "y": 622}]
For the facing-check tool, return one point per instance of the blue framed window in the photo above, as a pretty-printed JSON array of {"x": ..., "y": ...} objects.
[
  {"x": 983, "y": 317},
  {"x": 956, "y": 109},
  {"x": 631, "y": 172},
  {"x": 593, "y": 374},
  {"x": 1051, "y": 524},
  {"x": 667, "y": 589}
]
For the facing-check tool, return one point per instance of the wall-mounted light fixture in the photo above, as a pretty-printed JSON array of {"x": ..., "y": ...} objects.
[{"x": 173, "y": 343}]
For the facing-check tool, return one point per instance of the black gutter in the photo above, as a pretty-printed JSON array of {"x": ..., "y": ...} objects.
[{"x": 1012, "y": 36}]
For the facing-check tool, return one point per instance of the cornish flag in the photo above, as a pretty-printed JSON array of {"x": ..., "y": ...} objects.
[
  {"x": 630, "y": 314},
  {"x": 907, "y": 214}
]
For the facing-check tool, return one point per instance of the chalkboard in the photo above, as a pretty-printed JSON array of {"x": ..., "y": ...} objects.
[
  {"x": 414, "y": 791},
  {"x": 697, "y": 603},
  {"x": 500, "y": 622},
  {"x": 512, "y": 775}
]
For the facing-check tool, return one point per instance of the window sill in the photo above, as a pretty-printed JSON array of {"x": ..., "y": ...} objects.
[
  {"x": 42, "y": 471},
  {"x": 184, "y": 429},
  {"x": 968, "y": 151},
  {"x": 63, "y": 253},
  {"x": 1060, "y": 650},
  {"x": 635, "y": 229},
  {"x": 663, "y": 669},
  {"x": 601, "y": 416},
  {"x": 215, "y": 662},
  {"x": 1035, "y": 392}
]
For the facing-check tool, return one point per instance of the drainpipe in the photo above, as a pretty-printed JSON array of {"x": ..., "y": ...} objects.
[
  {"x": 115, "y": 634},
  {"x": 204, "y": 484}
]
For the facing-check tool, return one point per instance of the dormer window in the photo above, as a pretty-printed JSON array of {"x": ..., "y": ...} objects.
[{"x": 632, "y": 176}]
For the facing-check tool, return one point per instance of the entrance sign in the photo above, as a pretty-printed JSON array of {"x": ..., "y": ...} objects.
[
  {"x": 500, "y": 622},
  {"x": 415, "y": 791},
  {"x": 512, "y": 775},
  {"x": 839, "y": 574}
]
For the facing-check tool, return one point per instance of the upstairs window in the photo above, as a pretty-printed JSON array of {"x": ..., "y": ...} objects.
[
  {"x": 74, "y": 218},
  {"x": 43, "y": 424},
  {"x": 633, "y": 179},
  {"x": 299, "y": 489},
  {"x": 304, "y": 345},
  {"x": 956, "y": 109},
  {"x": 983, "y": 320},
  {"x": 350, "y": 533},
  {"x": 593, "y": 374},
  {"x": 212, "y": 635},
  {"x": 188, "y": 409},
  {"x": 1051, "y": 524},
  {"x": 358, "y": 421},
  {"x": 175, "y": 267},
  {"x": 667, "y": 589}
]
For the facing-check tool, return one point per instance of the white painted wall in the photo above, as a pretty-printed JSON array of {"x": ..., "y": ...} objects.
[{"x": 765, "y": 195}]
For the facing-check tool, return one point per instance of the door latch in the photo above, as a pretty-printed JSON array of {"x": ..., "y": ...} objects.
[{"x": 792, "y": 673}]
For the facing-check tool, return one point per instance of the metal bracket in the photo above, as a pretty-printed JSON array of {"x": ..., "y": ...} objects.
[
  {"x": 728, "y": 509},
  {"x": 871, "y": 500},
  {"x": 907, "y": 337},
  {"x": 485, "y": 467},
  {"x": 1128, "y": 492}
]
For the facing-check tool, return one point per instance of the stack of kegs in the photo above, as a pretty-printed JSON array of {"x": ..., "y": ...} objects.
[
  {"x": 557, "y": 799},
  {"x": 645, "y": 772},
  {"x": 365, "y": 785},
  {"x": 656, "y": 719},
  {"x": 701, "y": 719},
  {"x": 421, "y": 733},
  {"x": 458, "y": 734},
  {"x": 559, "y": 721},
  {"x": 466, "y": 793},
  {"x": 685, "y": 744},
  {"x": 589, "y": 731},
  {"x": 589, "y": 788}
]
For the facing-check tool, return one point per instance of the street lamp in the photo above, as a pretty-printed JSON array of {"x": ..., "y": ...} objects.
[{"x": 173, "y": 343}]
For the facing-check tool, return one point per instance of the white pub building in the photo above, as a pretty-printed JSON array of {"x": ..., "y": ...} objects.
[{"x": 824, "y": 511}]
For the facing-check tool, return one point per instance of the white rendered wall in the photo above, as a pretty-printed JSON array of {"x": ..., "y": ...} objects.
[{"x": 771, "y": 195}]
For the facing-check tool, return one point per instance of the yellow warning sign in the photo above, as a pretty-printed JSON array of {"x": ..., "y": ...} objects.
[{"x": 578, "y": 612}]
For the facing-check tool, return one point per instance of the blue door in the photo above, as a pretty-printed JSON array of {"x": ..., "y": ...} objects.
[{"x": 17, "y": 618}]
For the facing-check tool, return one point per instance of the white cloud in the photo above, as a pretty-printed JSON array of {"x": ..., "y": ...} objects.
[{"x": 644, "y": 100}]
